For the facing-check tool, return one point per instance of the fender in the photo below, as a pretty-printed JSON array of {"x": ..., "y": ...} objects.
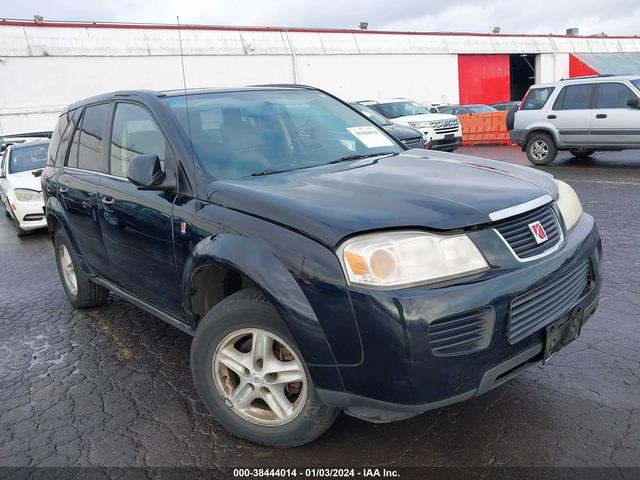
[
  {"x": 254, "y": 258},
  {"x": 55, "y": 210}
]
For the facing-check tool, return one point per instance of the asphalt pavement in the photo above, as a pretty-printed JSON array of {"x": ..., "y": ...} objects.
[{"x": 112, "y": 386}]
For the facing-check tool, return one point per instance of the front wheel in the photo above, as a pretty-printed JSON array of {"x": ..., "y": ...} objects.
[
  {"x": 582, "y": 152},
  {"x": 251, "y": 376},
  {"x": 541, "y": 149}
]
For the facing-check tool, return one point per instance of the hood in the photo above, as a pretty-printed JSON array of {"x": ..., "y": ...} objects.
[
  {"x": 402, "y": 132},
  {"x": 24, "y": 180},
  {"x": 415, "y": 189},
  {"x": 424, "y": 117}
]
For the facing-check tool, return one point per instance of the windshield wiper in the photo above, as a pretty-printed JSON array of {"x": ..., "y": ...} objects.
[
  {"x": 269, "y": 171},
  {"x": 360, "y": 157}
]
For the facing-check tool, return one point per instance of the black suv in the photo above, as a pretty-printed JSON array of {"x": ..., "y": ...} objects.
[{"x": 319, "y": 264}]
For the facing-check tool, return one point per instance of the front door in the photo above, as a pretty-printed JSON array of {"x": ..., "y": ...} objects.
[
  {"x": 136, "y": 224},
  {"x": 614, "y": 122}
]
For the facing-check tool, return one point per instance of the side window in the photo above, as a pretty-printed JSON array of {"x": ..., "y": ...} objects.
[
  {"x": 3, "y": 161},
  {"x": 71, "y": 119},
  {"x": 613, "y": 95},
  {"x": 134, "y": 133},
  {"x": 72, "y": 158},
  {"x": 91, "y": 133},
  {"x": 574, "y": 97},
  {"x": 536, "y": 98},
  {"x": 459, "y": 111},
  {"x": 58, "y": 132}
]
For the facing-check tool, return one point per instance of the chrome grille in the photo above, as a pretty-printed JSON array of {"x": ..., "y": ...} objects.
[
  {"x": 460, "y": 334},
  {"x": 413, "y": 142},
  {"x": 539, "y": 307},
  {"x": 516, "y": 233}
]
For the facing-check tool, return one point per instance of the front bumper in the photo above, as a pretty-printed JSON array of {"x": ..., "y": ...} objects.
[
  {"x": 30, "y": 215},
  {"x": 400, "y": 375},
  {"x": 442, "y": 141}
]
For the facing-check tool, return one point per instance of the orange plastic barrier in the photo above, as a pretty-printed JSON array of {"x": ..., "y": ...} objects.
[{"x": 484, "y": 128}]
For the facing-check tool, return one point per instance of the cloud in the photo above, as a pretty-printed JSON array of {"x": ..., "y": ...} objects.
[{"x": 615, "y": 17}]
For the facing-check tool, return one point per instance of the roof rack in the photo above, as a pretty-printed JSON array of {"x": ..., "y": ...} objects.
[
  {"x": 600, "y": 75},
  {"x": 285, "y": 85}
]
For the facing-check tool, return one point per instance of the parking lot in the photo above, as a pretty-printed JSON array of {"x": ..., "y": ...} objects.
[{"x": 112, "y": 386}]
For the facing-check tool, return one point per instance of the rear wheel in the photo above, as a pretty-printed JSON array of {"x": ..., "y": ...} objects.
[
  {"x": 251, "y": 376},
  {"x": 80, "y": 290},
  {"x": 541, "y": 149},
  {"x": 582, "y": 152}
]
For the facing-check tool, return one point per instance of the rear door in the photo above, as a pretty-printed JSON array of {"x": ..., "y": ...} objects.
[
  {"x": 78, "y": 184},
  {"x": 571, "y": 114},
  {"x": 613, "y": 122},
  {"x": 137, "y": 224}
]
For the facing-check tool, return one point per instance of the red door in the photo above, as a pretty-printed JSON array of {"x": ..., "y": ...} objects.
[{"x": 484, "y": 78}]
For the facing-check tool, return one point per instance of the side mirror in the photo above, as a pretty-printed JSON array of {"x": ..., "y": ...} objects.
[
  {"x": 633, "y": 102},
  {"x": 145, "y": 172}
]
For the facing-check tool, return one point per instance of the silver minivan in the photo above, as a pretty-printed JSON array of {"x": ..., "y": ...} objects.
[{"x": 581, "y": 115}]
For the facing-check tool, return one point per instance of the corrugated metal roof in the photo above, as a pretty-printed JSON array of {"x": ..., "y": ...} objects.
[{"x": 614, "y": 63}]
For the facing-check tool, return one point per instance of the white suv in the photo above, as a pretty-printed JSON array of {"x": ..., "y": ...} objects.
[
  {"x": 581, "y": 115},
  {"x": 20, "y": 189},
  {"x": 441, "y": 132}
]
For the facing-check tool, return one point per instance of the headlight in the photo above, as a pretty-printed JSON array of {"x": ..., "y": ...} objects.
[
  {"x": 419, "y": 125},
  {"x": 569, "y": 204},
  {"x": 402, "y": 259},
  {"x": 24, "y": 195}
]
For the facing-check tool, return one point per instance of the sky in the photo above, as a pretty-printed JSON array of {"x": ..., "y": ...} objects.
[{"x": 613, "y": 17}]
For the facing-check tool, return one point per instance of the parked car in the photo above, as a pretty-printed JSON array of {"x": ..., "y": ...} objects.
[
  {"x": 467, "y": 109},
  {"x": 582, "y": 115},
  {"x": 441, "y": 132},
  {"x": 410, "y": 137},
  {"x": 319, "y": 264},
  {"x": 20, "y": 194},
  {"x": 505, "y": 106},
  {"x": 7, "y": 139},
  {"x": 433, "y": 107}
]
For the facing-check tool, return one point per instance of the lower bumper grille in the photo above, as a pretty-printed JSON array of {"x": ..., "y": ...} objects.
[
  {"x": 460, "y": 334},
  {"x": 33, "y": 217},
  {"x": 539, "y": 307}
]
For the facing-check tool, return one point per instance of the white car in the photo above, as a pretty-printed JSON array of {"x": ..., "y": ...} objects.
[
  {"x": 441, "y": 132},
  {"x": 20, "y": 190}
]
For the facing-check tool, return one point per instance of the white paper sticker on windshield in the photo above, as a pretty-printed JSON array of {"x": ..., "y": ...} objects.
[{"x": 370, "y": 136}]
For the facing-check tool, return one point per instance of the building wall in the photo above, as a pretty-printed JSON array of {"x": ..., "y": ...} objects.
[{"x": 45, "y": 67}]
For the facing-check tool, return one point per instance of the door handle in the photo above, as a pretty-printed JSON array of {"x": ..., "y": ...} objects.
[
  {"x": 552, "y": 117},
  {"x": 601, "y": 115},
  {"x": 108, "y": 201}
]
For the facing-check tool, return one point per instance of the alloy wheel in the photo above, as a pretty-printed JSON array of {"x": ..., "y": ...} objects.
[
  {"x": 68, "y": 270},
  {"x": 540, "y": 150},
  {"x": 260, "y": 377}
]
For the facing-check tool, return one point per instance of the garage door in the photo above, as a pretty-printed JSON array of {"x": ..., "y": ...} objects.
[{"x": 484, "y": 78}]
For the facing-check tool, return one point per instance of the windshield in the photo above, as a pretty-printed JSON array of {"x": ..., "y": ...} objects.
[
  {"x": 480, "y": 109},
  {"x": 28, "y": 158},
  {"x": 371, "y": 114},
  {"x": 636, "y": 83},
  {"x": 401, "y": 109},
  {"x": 236, "y": 134}
]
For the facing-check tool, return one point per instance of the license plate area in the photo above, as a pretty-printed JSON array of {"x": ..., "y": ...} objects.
[
  {"x": 449, "y": 136},
  {"x": 561, "y": 333}
]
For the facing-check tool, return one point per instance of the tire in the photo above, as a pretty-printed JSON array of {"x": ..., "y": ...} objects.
[
  {"x": 19, "y": 231},
  {"x": 583, "y": 152},
  {"x": 86, "y": 294},
  {"x": 541, "y": 149},
  {"x": 510, "y": 118},
  {"x": 238, "y": 320}
]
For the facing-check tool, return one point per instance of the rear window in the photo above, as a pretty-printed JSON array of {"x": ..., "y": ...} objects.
[
  {"x": 536, "y": 98},
  {"x": 574, "y": 97},
  {"x": 28, "y": 158}
]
